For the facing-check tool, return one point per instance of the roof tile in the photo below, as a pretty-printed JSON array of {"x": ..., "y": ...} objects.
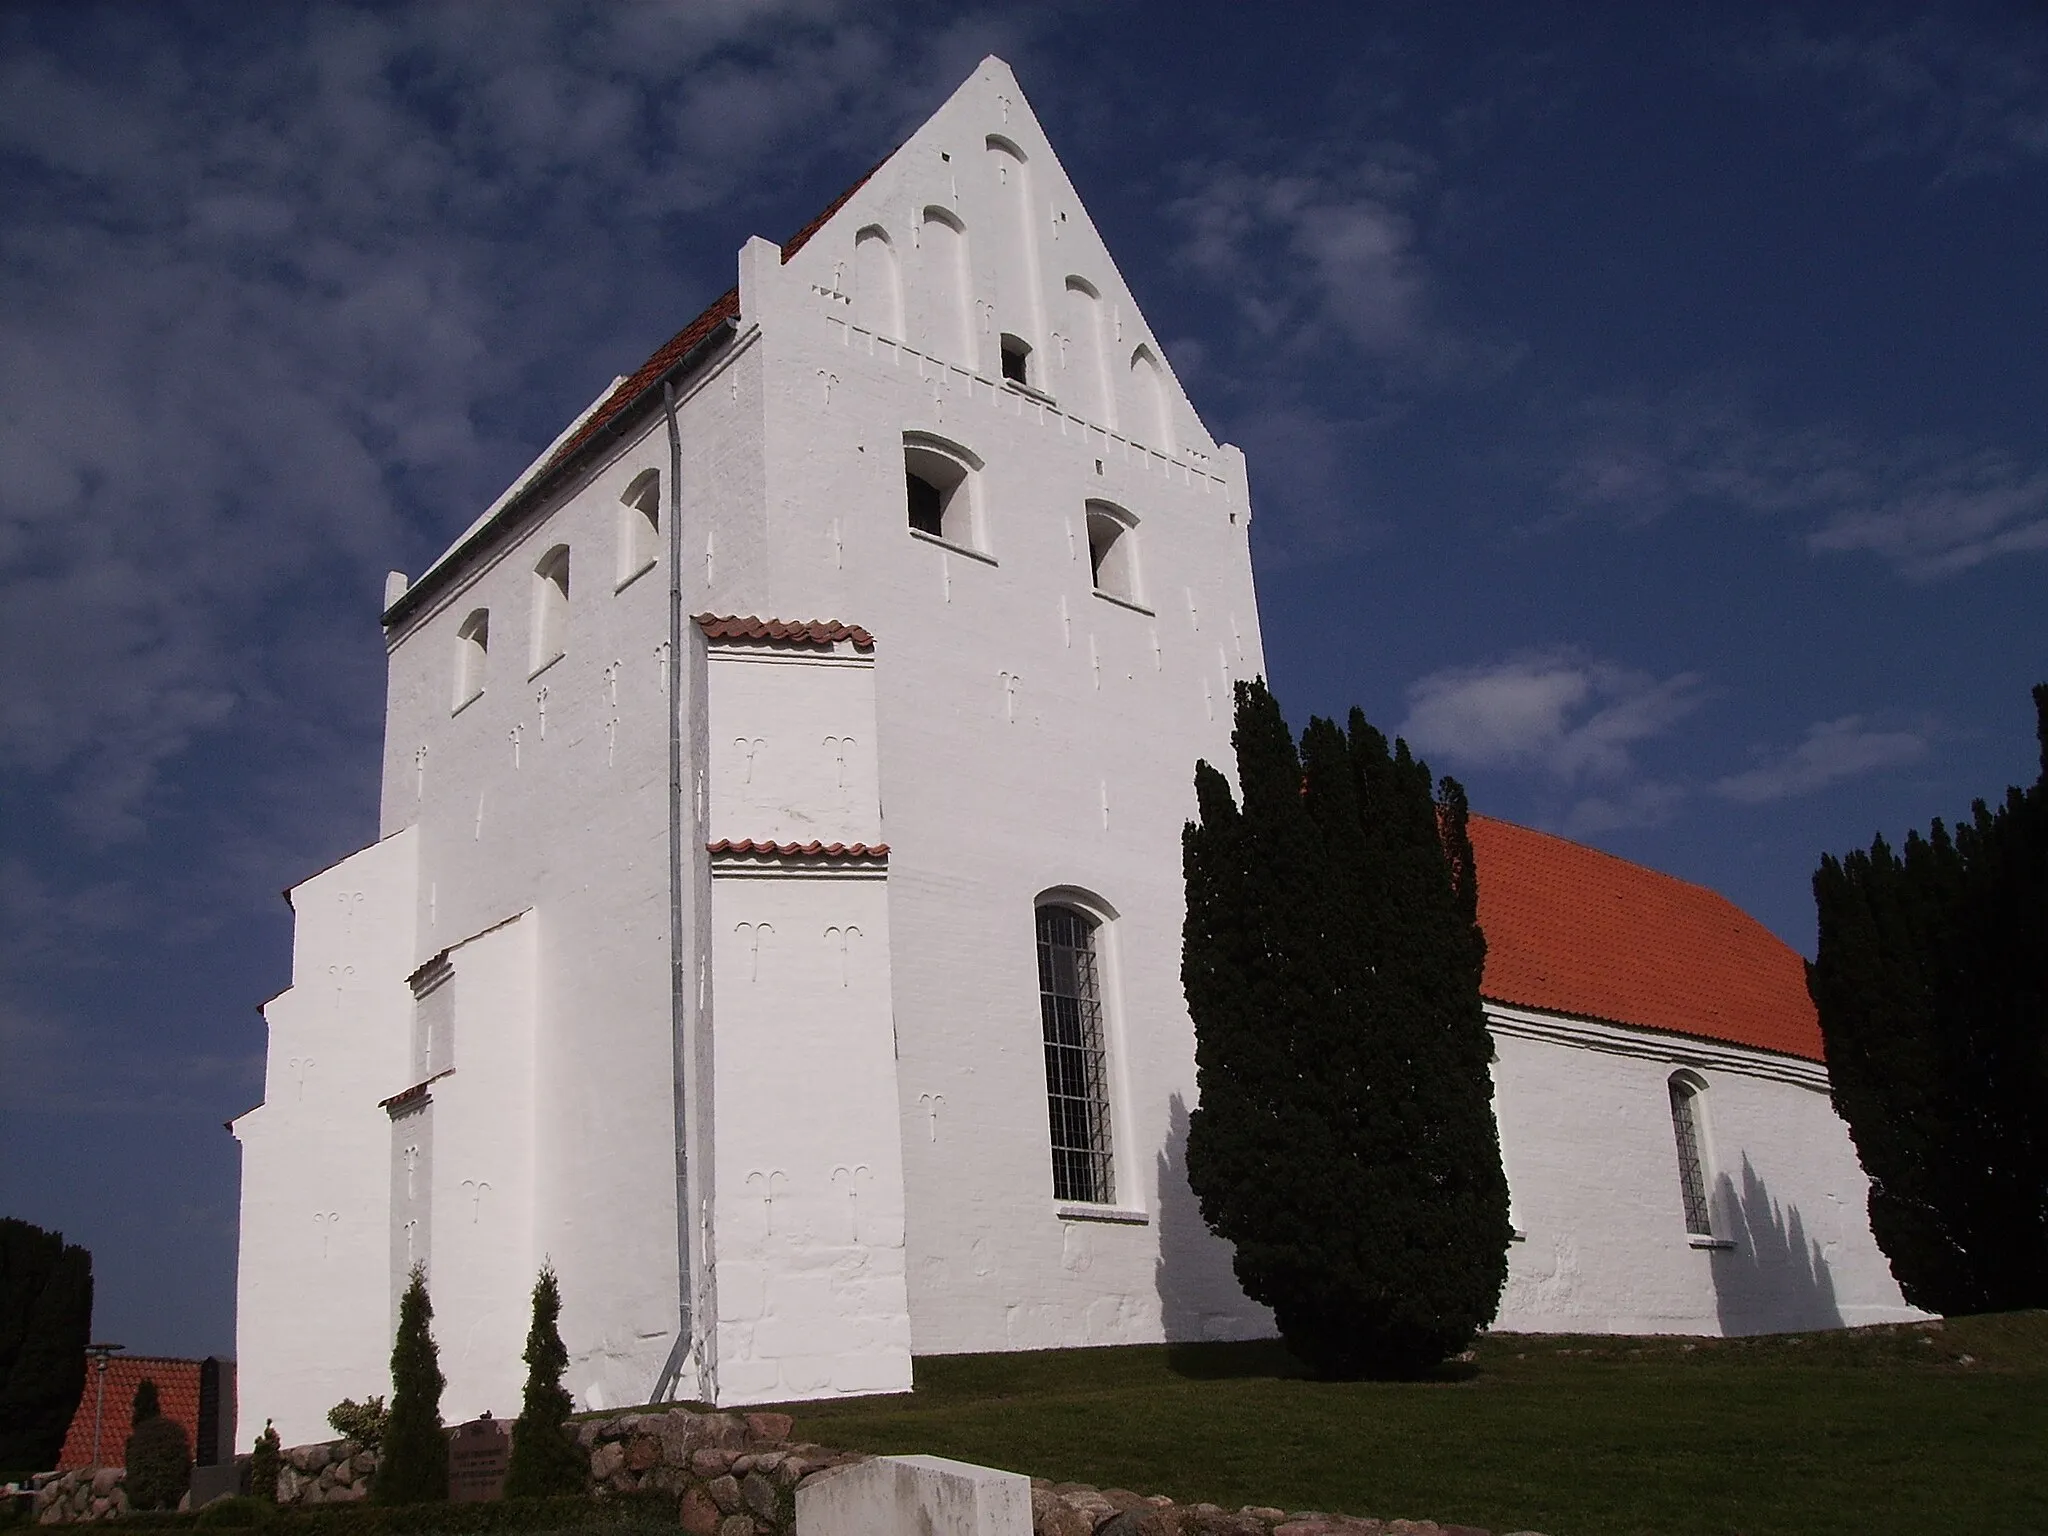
[
  {"x": 1572, "y": 930},
  {"x": 810, "y": 850},
  {"x": 800, "y": 632},
  {"x": 177, "y": 1389}
]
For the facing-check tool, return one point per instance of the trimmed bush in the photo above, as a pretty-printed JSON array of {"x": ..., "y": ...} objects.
[
  {"x": 159, "y": 1457},
  {"x": 264, "y": 1464},
  {"x": 545, "y": 1459},
  {"x": 412, "y": 1466},
  {"x": 361, "y": 1422}
]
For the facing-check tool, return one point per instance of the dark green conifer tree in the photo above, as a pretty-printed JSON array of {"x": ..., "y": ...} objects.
[
  {"x": 159, "y": 1458},
  {"x": 412, "y": 1466},
  {"x": 1931, "y": 980},
  {"x": 1345, "y": 1140},
  {"x": 266, "y": 1460},
  {"x": 545, "y": 1460},
  {"x": 45, "y": 1323}
]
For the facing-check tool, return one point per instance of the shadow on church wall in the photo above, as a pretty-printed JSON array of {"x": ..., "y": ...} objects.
[
  {"x": 1775, "y": 1279},
  {"x": 1199, "y": 1297}
]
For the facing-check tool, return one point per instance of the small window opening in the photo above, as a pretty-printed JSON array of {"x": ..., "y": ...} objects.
[
  {"x": 1076, "y": 1065},
  {"x": 639, "y": 525},
  {"x": 1112, "y": 554},
  {"x": 550, "y": 607},
  {"x": 472, "y": 650},
  {"x": 1016, "y": 359},
  {"x": 1692, "y": 1172},
  {"x": 940, "y": 501}
]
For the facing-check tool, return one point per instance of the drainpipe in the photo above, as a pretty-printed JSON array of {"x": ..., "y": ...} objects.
[{"x": 685, "y": 1350}]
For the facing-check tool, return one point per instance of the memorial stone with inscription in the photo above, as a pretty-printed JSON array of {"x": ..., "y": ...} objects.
[{"x": 479, "y": 1453}]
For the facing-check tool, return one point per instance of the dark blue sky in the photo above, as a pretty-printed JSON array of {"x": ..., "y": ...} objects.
[{"x": 1645, "y": 410}]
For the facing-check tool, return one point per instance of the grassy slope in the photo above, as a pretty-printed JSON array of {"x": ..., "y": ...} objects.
[{"x": 1875, "y": 1430}]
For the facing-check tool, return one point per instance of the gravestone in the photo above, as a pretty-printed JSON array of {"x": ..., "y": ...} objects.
[
  {"x": 915, "y": 1496},
  {"x": 479, "y": 1453}
]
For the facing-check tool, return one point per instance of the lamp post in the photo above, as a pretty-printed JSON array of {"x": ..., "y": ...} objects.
[{"x": 100, "y": 1353}]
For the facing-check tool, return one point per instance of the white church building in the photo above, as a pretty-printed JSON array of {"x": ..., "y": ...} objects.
[{"x": 775, "y": 923}]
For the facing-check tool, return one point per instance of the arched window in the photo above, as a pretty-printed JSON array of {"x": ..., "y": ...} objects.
[
  {"x": 1016, "y": 359},
  {"x": 639, "y": 525},
  {"x": 1154, "y": 417},
  {"x": 1113, "y": 551},
  {"x": 948, "y": 322},
  {"x": 1070, "y": 1009},
  {"x": 938, "y": 481},
  {"x": 1086, "y": 361},
  {"x": 1687, "y": 1126},
  {"x": 877, "y": 283},
  {"x": 472, "y": 650},
  {"x": 550, "y": 607}
]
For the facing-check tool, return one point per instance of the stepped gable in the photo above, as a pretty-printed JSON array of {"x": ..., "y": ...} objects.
[
  {"x": 1572, "y": 930},
  {"x": 781, "y": 631},
  {"x": 177, "y": 1393}
]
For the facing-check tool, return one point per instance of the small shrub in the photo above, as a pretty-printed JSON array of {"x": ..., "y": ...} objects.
[
  {"x": 159, "y": 1464},
  {"x": 545, "y": 1460},
  {"x": 264, "y": 1464},
  {"x": 236, "y": 1513},
  {"x": 361, "y": 1422},
  {"x": 413, "y": 1464},
  {"x": 145, "y": 1405}
]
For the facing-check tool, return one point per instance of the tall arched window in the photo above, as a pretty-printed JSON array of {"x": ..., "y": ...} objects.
[
  {"x": 472, "y": 650},
  {"x": 1113, "y": 551},
  {"x": 877, "y": 283},
  {"x": 1154, "y": 417},
  {"x": 949, "y": 320},
  {"x": 639, "y": 525},
  {"x": 1087, "y": 369},
  {"x": 1687, "y": 1126},
  {"x": 1070, "y": 1008},
  {"x": 550, "y": 607}
]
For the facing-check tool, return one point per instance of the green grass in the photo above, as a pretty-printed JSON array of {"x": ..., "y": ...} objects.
[{"x": 1875, "y": 1430}]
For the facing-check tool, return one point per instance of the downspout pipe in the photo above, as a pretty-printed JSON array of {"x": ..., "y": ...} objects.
[{"x": 685, "y": 1351}]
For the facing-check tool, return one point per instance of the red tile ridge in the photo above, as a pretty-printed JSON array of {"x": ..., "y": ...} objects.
[
  {"x": 810, "y": 850},
  {"x": 789, "y": 632},
  {"x": 418, "y": 1090}
]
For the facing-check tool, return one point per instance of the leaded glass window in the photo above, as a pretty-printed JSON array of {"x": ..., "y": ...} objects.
[
  {"x": 1076, "y": 1071},
  {"x": 1692, "y": 1173}
]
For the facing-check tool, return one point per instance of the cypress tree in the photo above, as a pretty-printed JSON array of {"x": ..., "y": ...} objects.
[
  {"x": 545, "y": 1459},
  {"x": 159, "y": 1458},
  {"x": 412, "y": 1466},
  {"x": 1345, "y": 1141},
  {"x": 45, "y": 1324},
  {"x": 1931, "y": 981},
  {"x": 265, "y": 1462}
]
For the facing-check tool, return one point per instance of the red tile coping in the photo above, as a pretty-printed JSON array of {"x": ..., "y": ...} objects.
[
  {"x": 418, "y": 1090},
  {"x": 802, "y": 632},
  {"x": 177, "y": 1394},
  {"x": 1572, "y": 930},
  {"x": 810, "y": 850}
]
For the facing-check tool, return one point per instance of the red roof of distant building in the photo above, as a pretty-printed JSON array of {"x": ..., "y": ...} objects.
[
  {"x": 177, "y": 1390},
  {"x": 1572, "y": 930},
  {"x": 801, "y": 632}
]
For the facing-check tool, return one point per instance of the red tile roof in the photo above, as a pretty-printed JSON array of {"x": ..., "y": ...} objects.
[
  {"x": 177, "y": 1389},
  {"x": 801, "y": 632},
  {"x": 679, "y": 346},
  {"x": 1572, "y": 930},
  {"x": 724, "y": 310},
  {"x": 810, "y": 850}
]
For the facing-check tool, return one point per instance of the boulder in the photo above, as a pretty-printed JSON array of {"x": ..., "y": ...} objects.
[
  {"x": 769, "y": 1426},
  {"x": 698, "y": 1514},
  {"x": 607, "y": 1461},
  {"x": 758, "y": 1494},
  {"x": 725, "y": 1493}
]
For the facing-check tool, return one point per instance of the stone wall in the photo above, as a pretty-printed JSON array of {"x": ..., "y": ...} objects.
[
  {"x": 1075, "y": 1509},
  {"x": 737, "y": 1474}
]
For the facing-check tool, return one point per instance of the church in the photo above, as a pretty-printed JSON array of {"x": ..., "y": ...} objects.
[{"x": 775, "y": 920}]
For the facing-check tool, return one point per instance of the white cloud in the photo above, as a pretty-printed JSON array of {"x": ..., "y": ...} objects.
[
  {"x": 1928, "y": 507},
  {"x": 1832, "y": 750},
  {"x": 1963, "y": 92},
  {"x": 1573, "y": 717}
]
